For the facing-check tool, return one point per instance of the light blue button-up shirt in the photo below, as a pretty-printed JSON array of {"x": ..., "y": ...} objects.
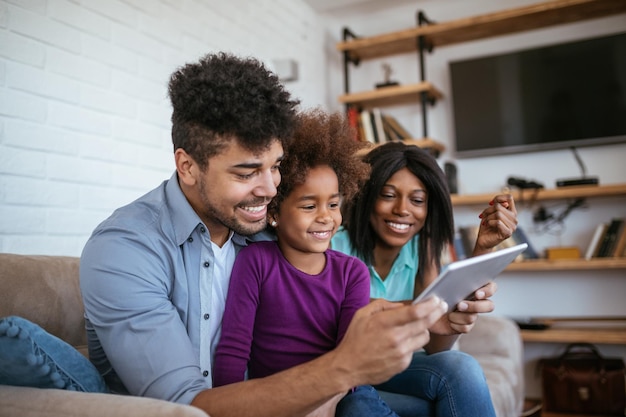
[
  {"x": 399, "y": 284},
  {"x": 140, "y": 275}
]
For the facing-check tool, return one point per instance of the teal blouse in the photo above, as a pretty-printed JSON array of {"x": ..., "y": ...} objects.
[{"x": 400, "y": 283}]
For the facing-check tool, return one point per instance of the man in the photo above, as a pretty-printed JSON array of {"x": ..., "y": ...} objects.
[{"x": 154, "y": 275}]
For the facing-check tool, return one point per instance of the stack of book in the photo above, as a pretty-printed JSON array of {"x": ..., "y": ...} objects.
[
  {"x": 376, "y": 127},
  {"x": 608, "y": 240}
]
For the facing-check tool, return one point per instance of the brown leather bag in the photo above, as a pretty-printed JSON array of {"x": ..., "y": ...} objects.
[{"x": 584, "y": 382}]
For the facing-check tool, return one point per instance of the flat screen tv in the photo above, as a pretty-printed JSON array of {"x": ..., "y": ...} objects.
[{"x": 559, "y": 96}]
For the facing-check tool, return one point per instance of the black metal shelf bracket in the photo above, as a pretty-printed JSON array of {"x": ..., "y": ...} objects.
[
  {"x": 347, "y": 60},
  {"x": 423, "y": 45}
]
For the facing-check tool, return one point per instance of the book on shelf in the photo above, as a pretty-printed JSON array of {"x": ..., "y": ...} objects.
[
  {"x": 354, "y": 122},
  {"x": 520, "y": 236},
  {"x": 366, "y": 123},
  {"x": 377, "y": 120},
  {"x": 361, "y": 135},
  {"x": 448, "y": 255},
  {"x": 468, "y": 235},
  {"x": 379, "y": 127},
  {"x": 610, "y": 238},
  {"x": 400, "y": 132},
  {"x": 596, "y": 239},
  {"x": 459, "y": 248},
  {"x": 374, "y": 128},
  {"x": 391, "y": 135},
  {"x": 465, "y": 240},
  {"x": 620, "y": 246}
]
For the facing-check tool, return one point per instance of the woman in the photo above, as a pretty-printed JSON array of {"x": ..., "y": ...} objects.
[{"x": 399, "y": 224}]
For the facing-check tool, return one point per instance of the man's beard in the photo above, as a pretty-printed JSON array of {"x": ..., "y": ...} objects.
[{"x": 210, "y": 211}]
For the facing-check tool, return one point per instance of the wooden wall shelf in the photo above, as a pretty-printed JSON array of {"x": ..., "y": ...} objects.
[
  {"x": 425, "y": 143},
  {"x": 394, "y": 95},
  {"x": 478, "y": 27},
  {"x": 614, "y": 336},
  {"x": 612, "y": 190},
  {"x": 541, "y": 265}
]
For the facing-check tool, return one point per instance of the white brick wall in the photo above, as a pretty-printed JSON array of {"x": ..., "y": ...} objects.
[{"x": 84, "y": 114}]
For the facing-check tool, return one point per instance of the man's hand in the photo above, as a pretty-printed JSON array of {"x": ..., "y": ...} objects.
[
  {"x": 382, "y": 337},
  {"x": 378, "y": 344}
]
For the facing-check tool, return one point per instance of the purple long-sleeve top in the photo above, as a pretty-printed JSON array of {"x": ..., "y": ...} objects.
[{"x": 277, "y": 316}]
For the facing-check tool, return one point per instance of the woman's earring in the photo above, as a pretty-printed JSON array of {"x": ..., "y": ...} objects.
[{"x": 273, "y": 223}]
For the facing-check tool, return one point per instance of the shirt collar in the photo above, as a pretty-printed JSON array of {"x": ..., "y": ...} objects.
[
  {"x": 184, "y": 218},
  {"x": 408, "y": 254}
]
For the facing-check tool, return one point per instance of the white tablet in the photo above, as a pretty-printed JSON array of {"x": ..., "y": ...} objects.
[{"x": 459, "y": 280}]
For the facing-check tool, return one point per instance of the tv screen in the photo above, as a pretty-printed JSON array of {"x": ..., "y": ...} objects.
[{"x": 560, "y": 96}]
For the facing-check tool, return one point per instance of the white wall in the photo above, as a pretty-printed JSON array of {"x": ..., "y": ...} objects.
[
  {"x": 84, "y": 114},
  {"x": 535, "y": 294}
]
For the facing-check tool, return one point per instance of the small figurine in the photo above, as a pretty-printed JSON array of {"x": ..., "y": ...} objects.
[{"x": 387, "y": 70}]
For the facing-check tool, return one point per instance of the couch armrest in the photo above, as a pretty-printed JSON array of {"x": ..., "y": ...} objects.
[
  {"x": 36, "y": 402},
  {"x": 496, "y": 343}
]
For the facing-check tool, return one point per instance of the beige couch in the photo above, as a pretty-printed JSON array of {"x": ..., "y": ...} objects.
[{"x": 45, "y": 290}]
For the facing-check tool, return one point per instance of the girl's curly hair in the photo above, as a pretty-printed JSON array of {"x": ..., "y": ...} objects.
[
  {"x": 223, "y": 97},
  {"x": 322, "y": 138}
]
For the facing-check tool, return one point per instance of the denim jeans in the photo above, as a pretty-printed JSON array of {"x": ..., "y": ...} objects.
[
  {"x": 445, "y": 384},
  {"x": 364, "y": 401}
]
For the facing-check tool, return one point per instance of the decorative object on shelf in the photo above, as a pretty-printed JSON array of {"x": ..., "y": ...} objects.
[
  {"x": 449, "y": 168},
  {"x": 563, "y": 252},
  {"x": 387, "y": 71},
  {"x": 584, "y": 382},
  {"x": 523, "y": 184},
  {"x": 583, "y": 179}
]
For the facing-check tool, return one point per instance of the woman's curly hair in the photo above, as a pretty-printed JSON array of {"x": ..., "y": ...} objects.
[
  {"x": 223, "y": 97},
  {"x": 321, "y": 138}
]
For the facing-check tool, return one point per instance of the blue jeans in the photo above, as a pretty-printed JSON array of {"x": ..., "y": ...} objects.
[
  {"x": 364, "y": 401},
  {"x": 445, "y": 384}
]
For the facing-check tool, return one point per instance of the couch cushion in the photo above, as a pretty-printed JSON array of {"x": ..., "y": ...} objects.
[
  {"x": 497, "y": 345},
  {"x": 29, "y": 356},
  {"x": 44, "y": 290},
  {"x": 34, "y": 402}
]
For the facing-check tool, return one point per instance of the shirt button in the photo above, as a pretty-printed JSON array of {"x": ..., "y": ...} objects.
[
  {"x": 205, "y": 374},
  {"x": 206, "y": 316},
  {"x": 202, "y": 229},
  {"x": 190, "y": 239},
  {"x": 206, "y": 264}
]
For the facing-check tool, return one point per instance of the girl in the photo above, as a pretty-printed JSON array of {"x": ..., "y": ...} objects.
[{"x": 291, "y": 300}]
